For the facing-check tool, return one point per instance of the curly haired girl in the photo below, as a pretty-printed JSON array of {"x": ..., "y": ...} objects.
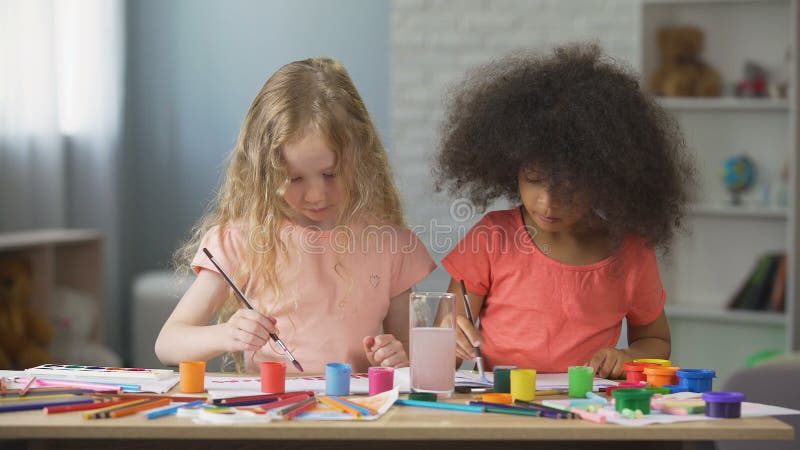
[{"x": 603, "y": 178}]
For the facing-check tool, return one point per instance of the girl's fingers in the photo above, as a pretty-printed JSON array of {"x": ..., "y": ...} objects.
[{"x": 473, "y": 336}]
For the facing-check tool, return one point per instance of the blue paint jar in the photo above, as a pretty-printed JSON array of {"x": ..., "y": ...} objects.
[
  {"x": 723, "y": 404},
  {"x": 696, "y": 380},
  {"x": 337, "y": 379}
]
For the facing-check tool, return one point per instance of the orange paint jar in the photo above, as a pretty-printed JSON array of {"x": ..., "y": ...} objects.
[
  {"x": 661, "y": 376},
  {"x": 634, "y": 371}
]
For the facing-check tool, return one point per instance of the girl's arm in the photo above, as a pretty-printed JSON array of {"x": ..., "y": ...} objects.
[
  {"x": 644, "y": 341},
  {"x": 391, "y": 348},
  {"x": 188, "y": 336},
  {"x": 467, "y": 336}
]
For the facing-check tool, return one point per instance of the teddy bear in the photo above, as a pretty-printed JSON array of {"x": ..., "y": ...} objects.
[
  {"x": 75, "y": 316},
  {"x": 682, "y": 73},
  {"x": 24, "y": 333}
]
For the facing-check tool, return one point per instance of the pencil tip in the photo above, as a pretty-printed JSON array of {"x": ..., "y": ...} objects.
[{"x": 298, "y": 366}]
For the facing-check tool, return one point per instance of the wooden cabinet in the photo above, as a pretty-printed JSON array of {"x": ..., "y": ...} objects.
[{"x": 70, "y": 258}]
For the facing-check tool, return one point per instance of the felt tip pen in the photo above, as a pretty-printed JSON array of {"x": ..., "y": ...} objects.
[{"x": 244, "y": 300}]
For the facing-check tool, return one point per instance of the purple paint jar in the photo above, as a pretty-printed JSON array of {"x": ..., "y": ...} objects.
[{"x": 723, "y": 404}]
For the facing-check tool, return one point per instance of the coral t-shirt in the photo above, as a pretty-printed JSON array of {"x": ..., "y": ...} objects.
[
  {"x": 335, "y": 287},
  {"x": 541, "y": 314}
]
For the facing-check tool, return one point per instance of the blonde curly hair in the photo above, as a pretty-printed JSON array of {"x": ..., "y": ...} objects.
[{"x": 312, "y": 94}]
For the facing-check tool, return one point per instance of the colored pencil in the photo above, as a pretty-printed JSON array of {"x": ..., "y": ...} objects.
[
  {"x": 3, "y": 385},
  {"x": 279, "y": 396},
  {"x": 339, "y": 406},
  {"x": 298, "y": 408},
  {"x": 284, "y": 402},
  {"x": 27, "y": 386},
  {"x": 174, "y": 398},
  {"x": 544, "y": 392},
  {"x": 40, "y": 392},
  {"x": 439, "y": 405},
  {"x": 102, "y": 413},
  {"x": 244, "y": 300},
  {"x": 33, "y": 398},
  {"x": 172, "y": 409},
  {"x": 28, "y": 406},
  {"x": 88, "y": 385},
  {"x": 541, "y": 407},
  {"x": 510, "y": 409},
  {"x": 149, "y": 404},
  {"x": 366, "y": 410},
  {"x": 97, "y": 404}
]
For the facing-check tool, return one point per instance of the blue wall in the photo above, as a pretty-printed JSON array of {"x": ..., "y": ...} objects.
[{"x": 193, "y": 67}]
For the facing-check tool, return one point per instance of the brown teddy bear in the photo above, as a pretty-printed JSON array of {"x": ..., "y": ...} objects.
[
  {"x": 682, "y": 73},
  {"x": 24, "y": 334}
]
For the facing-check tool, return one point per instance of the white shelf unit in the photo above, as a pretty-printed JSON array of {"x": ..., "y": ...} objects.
[
  {"x": 59, "y": 257},
  {"x": 705, "y": 268}
]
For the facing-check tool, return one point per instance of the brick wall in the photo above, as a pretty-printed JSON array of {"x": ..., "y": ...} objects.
[{"x": 433, "y": 43}]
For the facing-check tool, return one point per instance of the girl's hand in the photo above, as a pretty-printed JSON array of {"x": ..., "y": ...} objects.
[
  {"x": 608, "y": 362},
  {"x": 385, "y": 350},
  {"x": 247, "y": 330},
  {"x": 467, "y": 338}
]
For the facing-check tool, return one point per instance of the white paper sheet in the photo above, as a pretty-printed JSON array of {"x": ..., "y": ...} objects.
[{"x": 143, "y": 384}]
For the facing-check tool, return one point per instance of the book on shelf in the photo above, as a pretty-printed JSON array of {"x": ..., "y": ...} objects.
[{"x": 764, "y": 289}]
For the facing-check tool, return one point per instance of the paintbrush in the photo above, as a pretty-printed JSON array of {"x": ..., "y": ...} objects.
[
  {"x": 476, "y": 350},
  {"x": 247, "y": 303}
]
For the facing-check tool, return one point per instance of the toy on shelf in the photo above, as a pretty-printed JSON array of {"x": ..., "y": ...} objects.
[
  {"x": 682, "y": 73},
  {"x": 754, "y": 83},
  {"x": 24, "y": 333},
  {"x": 738, "y": 174}
]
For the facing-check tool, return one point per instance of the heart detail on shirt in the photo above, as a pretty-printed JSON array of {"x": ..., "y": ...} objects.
[{"x": 374, "y": 279}]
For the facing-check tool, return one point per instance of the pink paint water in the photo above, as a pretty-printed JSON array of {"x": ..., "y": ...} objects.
[{"x": 433, "y": 359}]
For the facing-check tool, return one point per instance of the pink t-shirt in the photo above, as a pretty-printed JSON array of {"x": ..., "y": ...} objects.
[
  {"x": 335, "y": 290},
  {"x": 541, "y": 314}
]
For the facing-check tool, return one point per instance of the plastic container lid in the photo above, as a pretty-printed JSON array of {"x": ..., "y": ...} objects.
[
  {"x": 637, "y": 366},
  {"x": 696, "y": 373},
  {"x": 632, "y": 394},
  {"x": 660, "y": 370},
  {"x": 425, "y": 396},
  {"x": 660, "y": 362},
  {"x": 723, "y": 397}
]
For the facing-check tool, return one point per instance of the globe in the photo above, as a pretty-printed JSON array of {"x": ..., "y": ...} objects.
[{"x": 738, "y": 174}]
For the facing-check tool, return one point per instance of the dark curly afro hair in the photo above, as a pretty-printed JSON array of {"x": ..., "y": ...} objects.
[{"x": 581, "y": 121}]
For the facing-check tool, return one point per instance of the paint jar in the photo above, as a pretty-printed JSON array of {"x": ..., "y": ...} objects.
[
  {"x": 580, "y": 380},
  {"x": 497, "y": 397},
  {"x": 502, "y": 378},
  {"x": 381, "y": 379},
  {"x": 673, "y": 388},
  {"x": 661, "y": 375},
  {"x": 660, "y": 362},
  {"x": 696, "y": 380},
  {"x": 192, "y": 376},
  {"x": 337, "y": 379},
  {"x": 523, "y": 384},
  {"x": 610, "y": 389},
  {"x": 273, "y": 377},
  {"x": 633, "y": 399},
  {"x": 723, "y": 404},
  {"x": 423, "y": 396},
  {"x": 634, "y": 371}
]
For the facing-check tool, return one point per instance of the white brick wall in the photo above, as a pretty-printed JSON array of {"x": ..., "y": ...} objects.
[{"x": 434, "y": 42}]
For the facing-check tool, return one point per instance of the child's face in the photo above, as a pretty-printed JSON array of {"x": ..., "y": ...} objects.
[
  {"x": 314, "y": 189},
  {"x": 547, "y": 213}
]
